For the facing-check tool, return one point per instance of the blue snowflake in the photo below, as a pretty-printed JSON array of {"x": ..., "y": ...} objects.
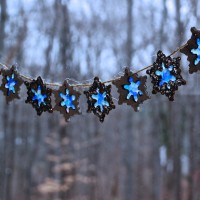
[
  {"x": 39, "y": 96},
  {"x": 10, "y": 85},
  {"x": 133, "y": 89},
  {"x": 166, "y": 75},
  {"x": 67, "y": 100},
  {"x": 100, "y": 100},
  {"x": 197, "y": 52}
]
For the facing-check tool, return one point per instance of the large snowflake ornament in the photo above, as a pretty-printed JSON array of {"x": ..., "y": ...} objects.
[
  {"x": 67, "y": 101},
  {"x": 39, "y": 96},
  {"x": 11, "y": 83},
  {"x": 166, "y": 75},
  {"x": 99, "y": 99},
  {"x": 131, "y": 89},
  {"x": 192, "y": 51}
]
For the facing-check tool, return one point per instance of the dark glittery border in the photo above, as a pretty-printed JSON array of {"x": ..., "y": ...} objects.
[
  {"x": 102, "y": 88},
  {"x": 176, "y": 71},
  {"x": 34, "y": 85}
]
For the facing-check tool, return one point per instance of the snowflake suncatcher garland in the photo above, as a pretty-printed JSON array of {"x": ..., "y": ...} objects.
[{"x": 165, "y": 74}]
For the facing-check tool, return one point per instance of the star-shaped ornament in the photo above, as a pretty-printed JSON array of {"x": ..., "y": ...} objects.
[
  {"x": 67, "y": 101},
  {"x": 39, "y": 96},
  {"x": 11, "y": 83},
  {"x": 131, "y": 89},
  {"x": 99, "y": 99},
  {"x": 192, "y": 51},
  {"x": 166, "y": 75}
]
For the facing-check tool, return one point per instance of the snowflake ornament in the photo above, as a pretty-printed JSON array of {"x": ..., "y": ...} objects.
[
  {"x": 131, "y": 89},
  {"x": 39, "y": 96},
  {"x": 67, "y": 101},
  {"x": 166, "y": 75},
  {"x": 11, "y": 83},
  {"x": 192, "y": 51},
  {"x": 99, "y": 99}
]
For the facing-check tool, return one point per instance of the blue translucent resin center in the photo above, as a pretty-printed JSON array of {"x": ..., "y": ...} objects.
[
  {"x": 197, "y": 52},
  {"x": 38, "y": 96},
  {"x": 166, "y": 75},
  {"x": 133, "y": 89},
  {"x": 67, "y": 100},
  {"x": 10, "y": 85},
  {"x": 100, "y": 100}
]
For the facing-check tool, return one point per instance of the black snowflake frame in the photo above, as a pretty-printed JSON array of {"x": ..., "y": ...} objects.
[
  {"x": 172, "y": 65},
  {"x": 37, "y": 85},
  {"x": 190, "y": 48},
  {"x": 123, "y": 93},
  {"x": 99, "y": 88},
  {"x": 58, "y": 100},
  {"x": 11, "y": 83}
]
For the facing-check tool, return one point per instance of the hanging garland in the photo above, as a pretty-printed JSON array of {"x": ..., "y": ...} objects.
[{"x": 165, "y": 74}]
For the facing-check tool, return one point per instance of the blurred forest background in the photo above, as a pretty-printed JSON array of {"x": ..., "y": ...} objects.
[{"x": 150, "y": 155}]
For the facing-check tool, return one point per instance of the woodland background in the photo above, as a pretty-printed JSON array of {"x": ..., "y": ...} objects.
[{"x": 150, "y": 155}]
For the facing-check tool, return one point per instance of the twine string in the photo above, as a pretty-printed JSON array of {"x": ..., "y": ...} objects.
[{"x": 27, "y": 78}]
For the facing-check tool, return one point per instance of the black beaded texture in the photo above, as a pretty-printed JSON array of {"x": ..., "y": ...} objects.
[
  {"x": 98, "y": 86},
  {"x": 33, "y": 85},
  {"x": 170, "y": 88}
]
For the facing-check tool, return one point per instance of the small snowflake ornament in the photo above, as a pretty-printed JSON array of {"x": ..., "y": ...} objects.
[
  {"x": 131, "y": 89},
  {"x": 11, "y": 83},
  {"x": 166, "y": 75},
  {"x": 67, "y": 101},
  {"x": 99, "y": 99},
  {"x": 39, "y": 96},
  {"x": 192, "y": 51}
]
